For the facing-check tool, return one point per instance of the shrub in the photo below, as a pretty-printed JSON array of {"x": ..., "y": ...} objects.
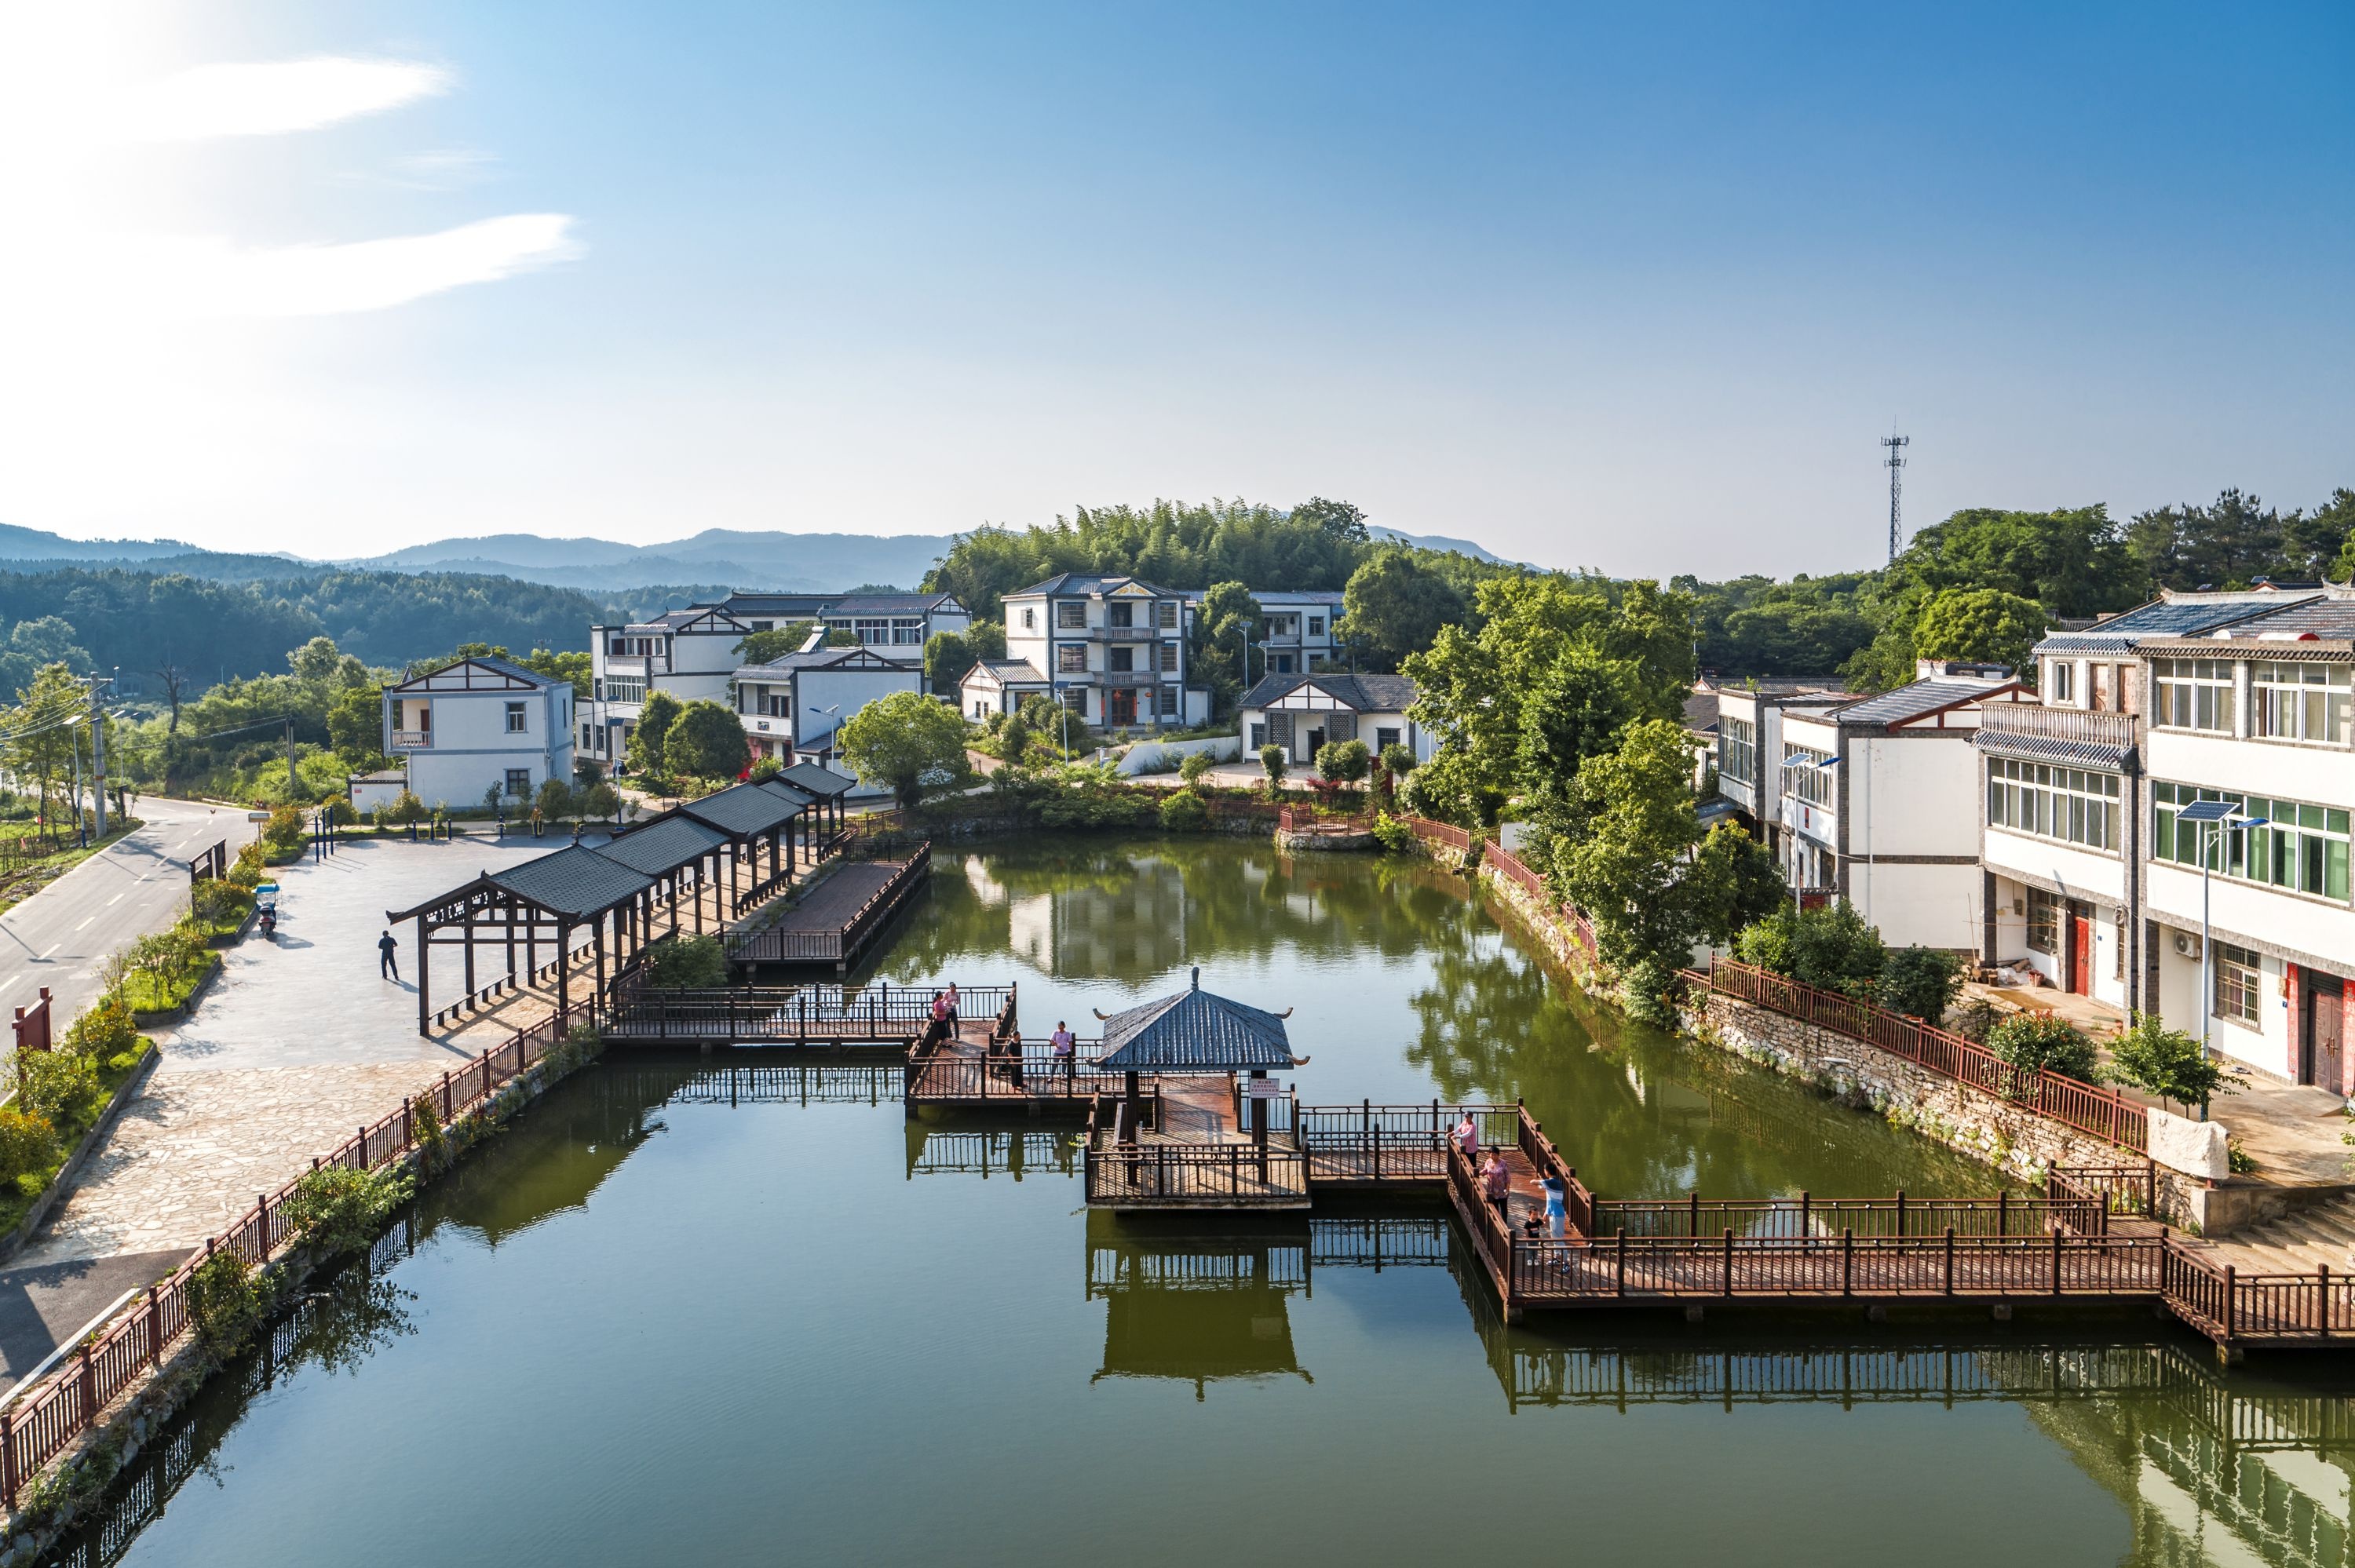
[
  {"x": 425, "y": 1126},
  {"x": 2170, "y": 1064},
  {"x": 1922, "y": 981},
  {"x": 1184, "y": 813},
  {"x": 765, "y": 768},
  {"x": 59, "y": 1086},
  {"x": 406, "y": 807},
  {"x": 1395, "y": 836},
  {"x": 336, "y": 1209},
  {"x": 103, "y": 1031},
  {"x": 1647, "y": 989},
  {"x": 1193, "y": 767},
  {"x": 216, "y": 903},
  {"x": 601, "y": 802},
  {"x": 1398, "y": 759},
  {"x": 28, "y": 1144},
  {"x": 1271, "y": 757},
  {"x": 555, "y": 801},
  {"x": 222, "y": 1302},
  {"x": 1344, "y": 761},
  {"x": 2038, "y": 1040},
  {"x": 247, "y": 870},
  {"x": 1830, "y": 948},
  {"x": 342, "y": 813},
  {"x": 284, "y": 831},
  {"x": 676, "y": 963}
]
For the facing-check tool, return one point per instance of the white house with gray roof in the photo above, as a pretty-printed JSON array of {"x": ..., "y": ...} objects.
[
  {"x": 1875, "y": 802},
  {"x": 464, "y": 728},
  {"x": 791, "y": 707},
  {"x": 1302, "y": 712},
  {"x": 1112, "y": 649}
]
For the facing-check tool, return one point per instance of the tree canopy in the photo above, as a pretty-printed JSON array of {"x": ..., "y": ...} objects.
[{"x": 904, "y": 740}]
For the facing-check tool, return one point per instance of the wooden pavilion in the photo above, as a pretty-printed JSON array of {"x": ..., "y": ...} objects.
[{"x": 1194, "y": 1033}]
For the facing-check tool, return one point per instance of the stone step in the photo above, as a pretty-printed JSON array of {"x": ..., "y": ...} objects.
[{"x": 2337, "y": 1220}]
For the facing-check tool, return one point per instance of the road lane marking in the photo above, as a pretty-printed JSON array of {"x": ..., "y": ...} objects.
[
  {"x": 53, "y": 948},
  {"x": 12, "y": 980},
  {"x": 119, "y": 897},
  {"x": 86, "y": 920}
]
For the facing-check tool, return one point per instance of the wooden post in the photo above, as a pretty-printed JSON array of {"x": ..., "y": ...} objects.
[
  {"x": 1950, "y": 1260},
  {"x": 1807, "y": 1215},
  {"x": 1692, "y": 1214},
  {"x": 8, "y": 1475},
  {"x": 1848, "y": 1260},
  {"x": 2322, "y": 1285},
  {"x": 1900, "y": 1210},
  {"x": 563, "y": 973},
  {"x": 2003, "y": 1212},
  {"x": 468, "y": 928},
  {"x": 155, "y": 1329},
  {"x": 2231, "y": 1277},
  {"x": 1622, "y": 1251},
  {"x": 2056, "y": 1260},
  {"x": 1729, "y": 1260}
]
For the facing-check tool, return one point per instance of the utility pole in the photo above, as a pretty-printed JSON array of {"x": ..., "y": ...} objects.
[
  {"x": 1895, "y": 463},
  {"x": 294, "y": 780},
  {"x": 98, "y": 746}
]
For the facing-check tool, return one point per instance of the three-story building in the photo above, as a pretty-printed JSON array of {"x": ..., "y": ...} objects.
[{"x": 1112, "y": 650}]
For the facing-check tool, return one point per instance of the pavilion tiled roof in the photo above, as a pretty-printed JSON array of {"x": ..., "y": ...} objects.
[
  {"x": 574, "y": 881},
  {"x": 1195, "y": 1032},
  {"x": 741, "y": 811},
  {"x": 812, "y": 778},
  {"x": 662, "y": 847}
]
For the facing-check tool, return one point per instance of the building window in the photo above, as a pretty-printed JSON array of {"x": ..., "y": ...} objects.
[
  {"x": 877, "y": 631},
  {"x": 1315, "y": 626},
  {"x": 1169, "y": 702},
  {"x": 1070, "y": 617},
  {"x": 908, "y": 633},
  {"x": 626, "y": 688},
  {"x": 1258, "y": 738},
  {"x": 517, "y": 720},
  {"x": 1072, "y": 659},
  {"x": 2193, "y": 693},
  {"x": 588, "y": 739},
  {"x": 2043, "y": 922},
  {"x": 765, "y": 626},
  {"x": 2302, "y": 847},
  {"x": 2299, "y": 702},
  {"x": 1737, "y": 750},
  {"x": 1030, "y": 618},
  {"x": 1121, "y": 660},
  {"x": 1167, "y": 615},
  {"x": 1120, "y": 615},
  {"x": 1384, "y": 739},
  {"x": 597, "y": 688},
  {"x": 2063, "y": 682},
  {"x": 2238, "y": 972},
  {"x": 1283, "y": 663},
  {"x": 1803, "y": 775},
  {"x": 2071, "y": 804},
  {"x": 518, "y": 782},
  {"x": 1170, "y": 657}
]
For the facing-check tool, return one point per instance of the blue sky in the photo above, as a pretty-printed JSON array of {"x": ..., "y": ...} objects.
[{"x": 1638, "y": 288}]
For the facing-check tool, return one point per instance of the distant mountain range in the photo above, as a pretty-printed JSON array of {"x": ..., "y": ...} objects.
[{"x": 774, "y": 560}]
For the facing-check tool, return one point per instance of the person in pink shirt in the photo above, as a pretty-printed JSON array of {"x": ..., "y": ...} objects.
[
  {"x": 1497, "y": 1182},
  {"x": 1468, "y": 1137}
]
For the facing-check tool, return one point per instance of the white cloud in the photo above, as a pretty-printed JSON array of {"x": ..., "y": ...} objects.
[
  {"x": 265, "y": 98},
  {"x": 212, "y": 277}
]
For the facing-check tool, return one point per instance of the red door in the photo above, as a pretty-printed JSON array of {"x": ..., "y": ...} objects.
[
  {"x": 2326, "y": 1023},
  {"x": 1122, "y": 707},
  {"x": 2081, "y": 955}
]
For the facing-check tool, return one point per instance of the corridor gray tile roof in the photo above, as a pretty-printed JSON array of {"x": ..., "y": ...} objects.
[
  {"x": 574, "y": 881},
  {"x": 741, "y": 811},
  {"x": 812, "y": 779},
  {"x": 2187, "y": 616},
  {"x": 1195, "y": 1032},
  {"x": 1915, "y": 699},
  {"x": 2052, "y": 748},
  {"x": 662, "y": 847}
]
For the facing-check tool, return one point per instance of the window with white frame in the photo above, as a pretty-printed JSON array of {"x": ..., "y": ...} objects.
[
  {"x": 1168, "y": 702},
  {"x": 1805, "y": 776},
  {"x": 2062, "y": 681},
  {"x": 2240, "y": 980},
  {"x": 2043, "y": 922},
  {"x": 1315, "y": 626},
  {"x": 1029, "y": 617},
  {"x": 1737, "y": 750},
  {"x": 906, "y": 633},
  {"x": 1072, "y": 659},
  {"x": 2076, "y": 805},
  {"x": 2192, "y": 694},
  {"x": 518, "y": 720},
  {"x": 1167, "y": 615},
  {"x": 2299, "y": 702},
  {"x": 625, "y": 688},
  {"x": 1169, "y": 656},
  {"x": 871, "y": 630}
]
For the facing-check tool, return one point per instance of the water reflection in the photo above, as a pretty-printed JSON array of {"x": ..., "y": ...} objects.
[{"x": 1195, "y": 1306}]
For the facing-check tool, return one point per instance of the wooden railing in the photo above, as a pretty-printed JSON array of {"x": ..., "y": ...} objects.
[
  {"x": 1946, "y": 1264},
  {"x": 40, "y": 1420},
  {"x": 1223, "y": 1175},
  {"x": 1791, "y": 1219},
  {"x": 1510, "y": 867},
  {"x": 1015, "y": 1073},
  {"x": 2103, "y": 1113},
  {"x": 1446, "y": 833},
  {"x": 776, "y": 947},
  {"x": 797, "y": 1013}
]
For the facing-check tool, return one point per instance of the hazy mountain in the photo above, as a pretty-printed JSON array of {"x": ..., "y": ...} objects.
[
  {"x": 39, "y": 544},
  {"x": 1439, "y": 542}
]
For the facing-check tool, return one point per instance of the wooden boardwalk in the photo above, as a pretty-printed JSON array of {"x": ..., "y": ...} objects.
[{"x": 838, "y": 920}]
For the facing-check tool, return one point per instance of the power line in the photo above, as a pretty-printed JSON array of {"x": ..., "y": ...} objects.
[{"x": 1895, "y": 463}]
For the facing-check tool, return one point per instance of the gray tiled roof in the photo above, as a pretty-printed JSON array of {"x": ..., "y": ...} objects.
[
  {"x": 663, "y": 846},
  {"x": 814, "y": 779},
  {"x": 575, "y": 880},
  {"x": 1086, "y": 583},
  {"x": 1913, "y": 700},
  {"x": 741, "y": 811},
  {"x": 783, "y": 792},
  {"x": 1194, "y": 1032},
  {"x": 2052, "y": 749},
  {"x": 2187, "y": 615},
  {"x": 1366, "y": 693}
]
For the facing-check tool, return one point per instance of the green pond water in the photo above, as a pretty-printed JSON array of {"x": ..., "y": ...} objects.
[{"x": 691, "y": 1313}]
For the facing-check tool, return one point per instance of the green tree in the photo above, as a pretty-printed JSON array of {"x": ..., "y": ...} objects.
[
  {"x": 556, "y": 800},
  {"x": 768, "y": 647},
  {"x": 1338, "y": 521},
  {"x": 707, "y": 741},
  {"x": 1270, "y": 759},
  {"x": 2031, "y": 1041},
  {"x": 1395, "y": 606},
  {"x": 1344, "y": 761},
  {"x": 600, "y": 802},
  {"x": 1193, "y": 765},
  {"x": 2171, "y": 1065},
  {"x": 1984, "y": 625},
  {"x": 660, "y": 711},
  {"x": 1920, "y": 982},
  {"x": 904, "y": 741},
  {"x": 356, "y": 726},
  {"x": 1224, "y": 625},
  {"x": 948, "y": 659}
]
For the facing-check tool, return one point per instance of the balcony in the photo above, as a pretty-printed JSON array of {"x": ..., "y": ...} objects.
[
  {"x": 2071, "y": 734},
  {"x": 1126, "y": 633},
  {"x": 413, "y": 740}
]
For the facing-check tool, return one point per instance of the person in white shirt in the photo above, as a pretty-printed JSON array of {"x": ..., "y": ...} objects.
[{"x": 1064, "y": 1047}]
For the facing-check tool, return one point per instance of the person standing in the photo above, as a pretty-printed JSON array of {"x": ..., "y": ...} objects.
[
  {"x": 1066, "y": 1057},
  {"x": 388, "y": 953},
  {"x": 950, "y": 996},
  {"x": 1468, "y": 1138},
  {"x": 1557, "y": 1206},
  {"x": 1497, "y": 1182}
]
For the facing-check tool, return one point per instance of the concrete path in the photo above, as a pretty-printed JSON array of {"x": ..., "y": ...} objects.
[{"x": 59, "y": 936}]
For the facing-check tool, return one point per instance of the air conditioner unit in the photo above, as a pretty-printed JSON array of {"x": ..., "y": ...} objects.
[{"x": 2187, "y": 946}]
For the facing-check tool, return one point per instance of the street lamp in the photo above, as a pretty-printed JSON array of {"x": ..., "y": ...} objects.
[
  {"x": 834, "y": 709},
  {"x": 2215, "y": 818}
]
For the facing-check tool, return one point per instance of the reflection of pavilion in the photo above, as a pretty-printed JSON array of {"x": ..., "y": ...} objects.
[
  {"x": 1196, "y": 1307},
  {"x": 935, "y": 1150}
]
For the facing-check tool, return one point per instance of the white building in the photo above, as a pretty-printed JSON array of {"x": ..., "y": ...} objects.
[
  {"x": 1878, "y": 802},
  {"x": 1750, "y": 747},
  {"x": 694, "y": 653},
  {"x": 791, "y": 707},
  {"x": 2238, "y": 699},
  {"x": 1295, "y": 630},
  {"x": 1304, "y": 713},
  {"x": 1112, "y": 650},
  {"x": 468, "y": 726}
]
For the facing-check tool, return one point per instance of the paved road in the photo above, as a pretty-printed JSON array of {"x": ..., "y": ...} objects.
[{"x": 59, "y": 937}]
